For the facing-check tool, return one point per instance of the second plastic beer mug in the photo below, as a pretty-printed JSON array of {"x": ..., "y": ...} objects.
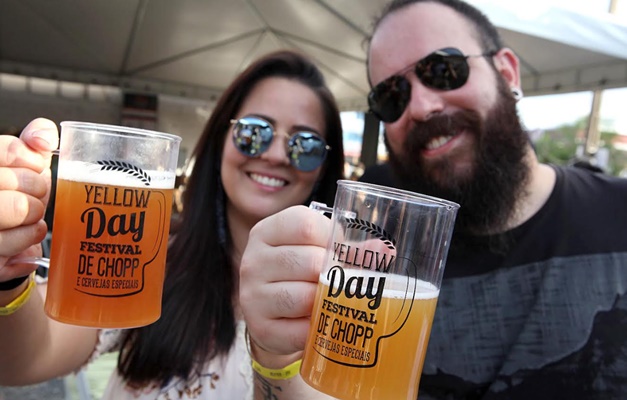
[
  {"x": 111, "y": 223},
  {"x": 377, "y": 294}
]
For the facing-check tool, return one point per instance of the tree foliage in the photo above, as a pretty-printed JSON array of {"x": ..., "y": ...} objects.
[{"x": 559, "y": 146}]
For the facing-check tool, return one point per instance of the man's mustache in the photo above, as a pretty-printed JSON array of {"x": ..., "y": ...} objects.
[{"x": 441, "y": 125}]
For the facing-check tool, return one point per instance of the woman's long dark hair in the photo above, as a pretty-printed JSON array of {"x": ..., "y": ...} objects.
[{"x": 198, "y": 321}]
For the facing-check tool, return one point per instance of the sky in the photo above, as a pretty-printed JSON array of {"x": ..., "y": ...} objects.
[{"x": 551, "y": 111}]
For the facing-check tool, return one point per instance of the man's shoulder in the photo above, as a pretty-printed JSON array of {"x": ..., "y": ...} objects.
[
  {"x": 585, "y": 174},
  {"x": 379, "y": 174},
  {"x": 582, "y": 183},
  {"x": 586, "y": 214}
]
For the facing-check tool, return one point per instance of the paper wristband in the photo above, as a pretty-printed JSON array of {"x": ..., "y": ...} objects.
[
  {"x": 284, "y": 373},
  {"x": 19, "y": 301}
]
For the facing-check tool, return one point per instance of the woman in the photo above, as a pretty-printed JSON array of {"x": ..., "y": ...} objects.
[{"x": 273, "y": 141}]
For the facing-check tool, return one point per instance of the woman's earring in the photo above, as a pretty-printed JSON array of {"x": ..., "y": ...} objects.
[{"x": 517, "y": 92}]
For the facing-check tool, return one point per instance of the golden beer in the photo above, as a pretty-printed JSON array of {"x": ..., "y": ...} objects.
[
  {"x": 108, "y": 252},
  {"x": 356, "y": 352}
]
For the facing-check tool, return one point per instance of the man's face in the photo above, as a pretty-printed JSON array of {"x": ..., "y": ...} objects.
[
  {"x": 490, "y": 189},
  {"x": 465, "y": 145}
]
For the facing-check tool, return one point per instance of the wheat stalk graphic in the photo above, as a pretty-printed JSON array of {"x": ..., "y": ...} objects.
[
  {"x": 130, "y": 169},
  {"x": 368, "y": 227}
]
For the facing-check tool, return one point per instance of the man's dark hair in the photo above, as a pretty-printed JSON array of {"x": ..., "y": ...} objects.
[{"x": 489, "y": 38}]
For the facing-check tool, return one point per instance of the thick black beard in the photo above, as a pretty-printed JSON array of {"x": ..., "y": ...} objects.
[{"x": 489, "y": 193}]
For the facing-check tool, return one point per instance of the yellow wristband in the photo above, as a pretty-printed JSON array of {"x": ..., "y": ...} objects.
[
  {"x": 284, "y": 373},
  {"x": 20, "y": 301}
]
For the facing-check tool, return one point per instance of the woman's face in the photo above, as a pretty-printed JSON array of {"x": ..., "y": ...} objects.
[{"x": 261, "y": 186}]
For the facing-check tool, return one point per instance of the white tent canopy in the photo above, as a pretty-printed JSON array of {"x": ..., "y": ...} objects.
[
  {"x": 194, "y": 48},
  {"x": 562, "y": 50}
]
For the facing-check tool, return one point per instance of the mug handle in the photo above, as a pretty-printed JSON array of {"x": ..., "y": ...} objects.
[
  {"x": 320, "y": 207},
  {"x": 41, "y": 261},
  {"x": 323, "y": 209}
]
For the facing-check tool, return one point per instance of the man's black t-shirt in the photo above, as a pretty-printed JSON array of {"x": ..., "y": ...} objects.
[{"x": 548, "y": 318}]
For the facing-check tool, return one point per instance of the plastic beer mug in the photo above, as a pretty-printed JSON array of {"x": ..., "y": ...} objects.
[
  {"x": 111, "y": 222},
  {"x": 377, "y": 293}
]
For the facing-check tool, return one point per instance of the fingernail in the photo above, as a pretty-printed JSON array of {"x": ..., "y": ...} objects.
[{"x": 44, "y": 135}]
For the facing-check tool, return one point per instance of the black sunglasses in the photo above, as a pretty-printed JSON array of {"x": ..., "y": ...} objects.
[
  {"x": 253, "y": 136},
  {"x": 444, "y": 69}
]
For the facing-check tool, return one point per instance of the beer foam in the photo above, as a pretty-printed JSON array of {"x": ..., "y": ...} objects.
[
  {"x": 80, "y": 171},
  {"x": 395, "y": 285}
]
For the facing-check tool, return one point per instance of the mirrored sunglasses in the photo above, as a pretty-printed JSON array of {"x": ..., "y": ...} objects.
[
  {"x": 444, "y": 69},
  {"x": 253, "y": 136}
]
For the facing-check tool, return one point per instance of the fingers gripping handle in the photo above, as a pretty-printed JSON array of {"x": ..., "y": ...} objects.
[{"x": 323, "y": 209}]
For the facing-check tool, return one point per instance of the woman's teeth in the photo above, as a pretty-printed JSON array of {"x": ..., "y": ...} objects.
[{"x": 267, "y": 181}]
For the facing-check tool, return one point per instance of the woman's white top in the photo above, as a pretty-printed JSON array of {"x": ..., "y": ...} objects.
[{"x": 229, "y": 377}]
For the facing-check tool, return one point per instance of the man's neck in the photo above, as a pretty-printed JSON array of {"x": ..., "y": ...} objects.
[{"x": 536, "y": 192}]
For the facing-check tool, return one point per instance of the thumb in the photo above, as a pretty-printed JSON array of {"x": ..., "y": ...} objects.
[{"x": 41, "y": 135}]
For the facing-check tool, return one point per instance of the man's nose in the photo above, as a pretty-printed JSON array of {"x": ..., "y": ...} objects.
[{"x": 424, "y": 101}]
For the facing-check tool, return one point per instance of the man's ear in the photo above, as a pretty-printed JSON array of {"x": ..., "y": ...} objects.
[{"x": 507, "y": 65}]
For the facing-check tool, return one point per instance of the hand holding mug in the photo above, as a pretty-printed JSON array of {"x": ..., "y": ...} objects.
[
  {"x": 278, "y": 277},
  {"x": 24, "y": 191}
]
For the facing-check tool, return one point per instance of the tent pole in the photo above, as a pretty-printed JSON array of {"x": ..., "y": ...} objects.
[
  {"x": 593, "y": 134},
  {"x": 370, "y": 140}
]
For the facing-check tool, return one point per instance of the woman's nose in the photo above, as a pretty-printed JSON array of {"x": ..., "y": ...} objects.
[{"x": 277, "y": 152}]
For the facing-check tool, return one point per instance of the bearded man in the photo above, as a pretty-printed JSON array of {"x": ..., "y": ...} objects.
[
  {"x": 533, "y": 300},
  {"x": 532, "y": 303}
]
